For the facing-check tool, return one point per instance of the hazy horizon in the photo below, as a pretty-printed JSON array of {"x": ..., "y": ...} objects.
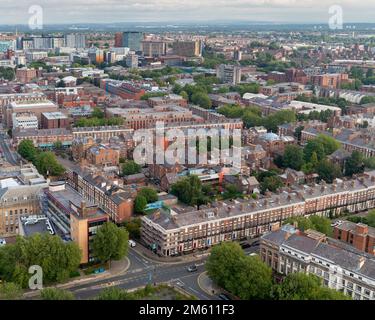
[{"x": 194, "y": 11}]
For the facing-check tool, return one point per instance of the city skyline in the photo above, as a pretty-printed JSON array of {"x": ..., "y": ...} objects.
[{"x": 115, "y": 11}]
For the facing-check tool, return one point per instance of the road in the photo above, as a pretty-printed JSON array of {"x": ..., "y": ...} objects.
[
  {"x": 10, "y": 156},
  {"x": 143, "y": 271}
]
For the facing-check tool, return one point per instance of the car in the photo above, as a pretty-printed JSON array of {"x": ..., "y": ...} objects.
[
  {"x": 252, "y": 254},
  {"x": 223, "y": 296},
  {"x": 245, "y": 245},
  {"x": 255, "y": 243},
  {"x": 132, "y": 243},
  {"x": 192, "y": 268}
]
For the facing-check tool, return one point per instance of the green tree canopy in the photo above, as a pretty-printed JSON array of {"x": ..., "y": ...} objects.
[
  {"x": 201, "y": 99},
  {"x": 140, "y": 203},
  {"x": 328, "y": 171},
  {"x": 134, "y": 228},
  {"x": 57, "y": 259},
  {"x": 27, "y": 150},
  {"x": 271, "y": 183},
  {"x": 245, "y": 277},
  {"x": 293, "y": 157},
  {"x": 10, "y": 291},
  {"x": 314, "y": 222},
  {"x": 130, "y": 167},
  {"x": 330, "y": 144},
  {"x": 56, "y": 294},
  {"x": 47, "y": 164},
  {"x": 114, "y": 293},
  {"x": 150, "y": 194},
  {"x": 110, "y": 242},
  {"x": 354, "y": 164},
  {"x": 189, "y": 190},
  {"x": 301, "y": 286}
]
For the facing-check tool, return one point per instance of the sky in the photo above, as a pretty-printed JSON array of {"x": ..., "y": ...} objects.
[{"x": 109, "y": 11}]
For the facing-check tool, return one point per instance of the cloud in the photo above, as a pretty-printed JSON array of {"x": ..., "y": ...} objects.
[{"x": 74, "y": 11}]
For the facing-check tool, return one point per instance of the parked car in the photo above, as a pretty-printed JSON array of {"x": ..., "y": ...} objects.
[
  {"x": 255, "y": 243},
  {"x": 245, "y": 245},
  {"x": 132, "y": 243},
  {"x": 192, "y": 268}
]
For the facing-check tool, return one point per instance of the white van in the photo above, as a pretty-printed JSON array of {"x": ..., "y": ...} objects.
[{"x": 132, "y": 243}]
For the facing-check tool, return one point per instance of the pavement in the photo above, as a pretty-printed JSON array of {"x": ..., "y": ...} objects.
[
  {"x": 117, "y": 268},
  {"x": 207, "y": 285}
]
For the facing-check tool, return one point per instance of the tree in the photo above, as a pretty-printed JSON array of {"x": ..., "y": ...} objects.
[
  {"x": 10, "y": 291},
  {"x": 328, "y": 171},
  {"x": 130, "y": 167},
  {"x": 321, "y": 224},
  {"x": 281, "y": 117},
  {"x": 231, "y": 192},
  {"x": 314, "y": 222},
  {"x": 57, "y": 259},
  {"x": 47, "y": 164},
  {"x": 293, "y": 157},
  {"x": 271, "y": 184},
  {"x": 301, "y": 286},
  {"x": 370, "y": 219},
  {"x": 140, "y": 203},
  {"x": 56, "y": 294},
  {"x": 149, "y": 194},
  {"x": 7, "y": 73},
  {"x": 134, "y": 228},
  {"x": 57, "y": 145},
  {"x": 201, "y": 99},
  {"x": 27, "y": 150},
  {"x": 313, "y": 146},
  {"x": 110, "y": 242},
  {"x": 189, "y": 190},
  {"x": 302, "y": 223},
  {"x": 354, "y": 164},
  {"x": 184, "y": 95},
  {"x": 97, "y": 113},
  {"x": 330, "y": 144},
  {"x": 246, "y": 277},
  {"x": 114, "y": 293}
]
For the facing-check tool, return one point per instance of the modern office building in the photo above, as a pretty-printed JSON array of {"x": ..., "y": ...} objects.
[
  {"x": 132, "y": 40},
  {"x": 25, "y": 120},
  {"x": 54, "y": 120},
  {"x": 75, "y": 217}
]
